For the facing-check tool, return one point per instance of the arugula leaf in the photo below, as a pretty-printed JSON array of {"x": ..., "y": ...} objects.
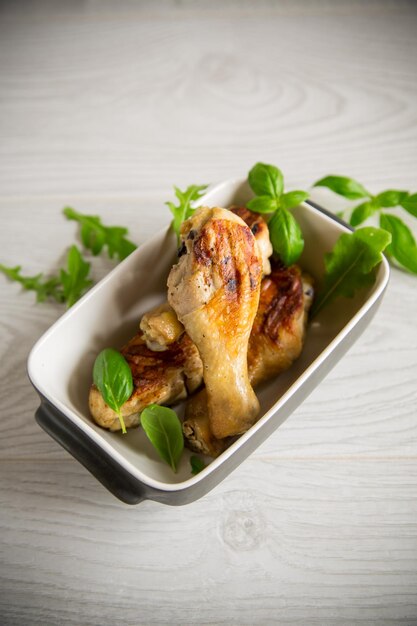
[
  {"x": 266, "y": 180},
  {"x": 74, "y": 281},
  {"x": 390, "y": 198},
  {"x": 184, "y": 210},
  {"x": 410, "y": 204},
  {"x": 362, "y": 212},
  {"x": 286, "y": 236},
  {"x": 344, "y": 186},
  {"x": 197, "y": 464},
  {"x": 351, "y": 264},
  {"x": 94, "y": 235},
  {"x": 113, "y": 378},
  {"x": 163, "y": 429},
  {"x": 403, "y": 245},
  {"x": 44, "y": 287},
  {"x": 68, "y": 287}
]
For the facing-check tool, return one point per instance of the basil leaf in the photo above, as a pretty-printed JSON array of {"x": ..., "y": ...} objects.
[
  {"x": 362, "y": 212},
  {"x": 163, "y": 429},
  {"x": 197, "y": 464},
  {"x": 344, "y": 186},
  {"x": 410, "y": 204},
  {"x": 75, "y": 281},
  {"x": 390, "y": 198},
  {"x": 263, "y": 204},
  {"x": 113, "y": 378},
  {"x": 351, "y": 263},
  {"x": 403, "y": 245},
  {"x": 286, "y": 236},
  {"x": 266, "y": 180},
  {"x": 293, "y": 198}
]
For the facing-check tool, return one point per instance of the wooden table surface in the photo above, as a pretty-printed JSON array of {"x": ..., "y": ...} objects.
[{"x": 104, "y": 106}]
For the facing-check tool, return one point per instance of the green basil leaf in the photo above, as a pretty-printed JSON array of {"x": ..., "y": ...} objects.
[
  {"x": 266, "y": 180},
  {"x": 293, "y": 198},
  {"x": 163, "y": 429},
  {"x": 410, "y": 204},
  {"x": 344, "y": 186},
  {"x": 286, "y": 236},
  {"x": 197, "y": 464},
  {"x": 113, "y": 378},
  {"x": 351, "y": 264},
  {"x": 263, "y": 204},
  {"x": 403, "y": 245},
  {"x": 390, "y": 198},
  {"x": 362, "y": 212}
]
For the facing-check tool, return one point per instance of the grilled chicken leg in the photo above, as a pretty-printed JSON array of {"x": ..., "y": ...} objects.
[
  {"x": 214, "y": 290},
  {"x": 275, "y": 342},
  {"x": 158, "y": 377}
]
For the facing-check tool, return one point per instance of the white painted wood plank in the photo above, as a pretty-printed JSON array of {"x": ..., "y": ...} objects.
[{"x": 104, "y": 106}]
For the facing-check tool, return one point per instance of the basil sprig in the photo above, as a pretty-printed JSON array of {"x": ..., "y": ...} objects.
[
  {"x": 351, "y": 264},
  {"x": 403, "y": 247},
  {"x": 267, "y": 182},
  {"x": 163, "y": 429},
  {"x": 113, "y": 378}
]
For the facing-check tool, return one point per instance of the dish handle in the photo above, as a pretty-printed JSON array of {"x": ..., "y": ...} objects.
[{"x": 112, "y": 475}]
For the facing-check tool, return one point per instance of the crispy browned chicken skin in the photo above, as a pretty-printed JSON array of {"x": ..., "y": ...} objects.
[
  {"x": 158, "y": 377},
  {"x": 275, "y": 342},
  {"x": 214, "y": 290}
]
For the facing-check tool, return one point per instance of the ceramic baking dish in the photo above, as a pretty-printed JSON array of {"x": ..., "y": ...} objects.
[{"x": 60, "y": 364}]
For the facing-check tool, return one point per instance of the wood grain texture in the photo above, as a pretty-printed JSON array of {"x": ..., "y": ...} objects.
[{"x": 103, "y": 106}]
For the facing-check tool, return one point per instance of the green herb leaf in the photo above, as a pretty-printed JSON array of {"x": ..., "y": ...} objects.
[
  {"x": 68, "y": 287},
  {"x": 390, "y": 198},
  {"x": 263, "y": 204},
  {"x": 351, "y": 264},
  {"x": 197, "y": 464},
  {"x": 74, "y": 281},
  {"x": 286, "y": 236},
  {"x": 163, "y": 429},
  {"x": 403, "y": 245},
  {"x": 44, "y": 287},
  {"x": 94, "y": 235},
  {"x": 184, "y": 210},
  {"x": 344, "y": 186},
  {"x": 293, "y": 198},
  {"x": 266, "y": 180},
  {"x": 113, "y": 378},
  {"x": 410, "y": 204},
  {"x": 362, "y": 212}
]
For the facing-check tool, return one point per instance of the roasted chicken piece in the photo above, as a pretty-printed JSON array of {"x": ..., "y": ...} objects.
[
  {"x": 214, "y": 290},
  {"x": 160, "y": 327},
  {"x": 260, "y": 231},
  {"x": 276, "y": 340},
  {"x": 158, "y": 377}
]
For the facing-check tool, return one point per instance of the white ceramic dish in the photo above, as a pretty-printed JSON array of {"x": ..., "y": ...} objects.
[{"x": 60, "y": 364}]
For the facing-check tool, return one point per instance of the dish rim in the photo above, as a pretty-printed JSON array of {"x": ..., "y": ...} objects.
[{"x": 91, "y": 432}]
